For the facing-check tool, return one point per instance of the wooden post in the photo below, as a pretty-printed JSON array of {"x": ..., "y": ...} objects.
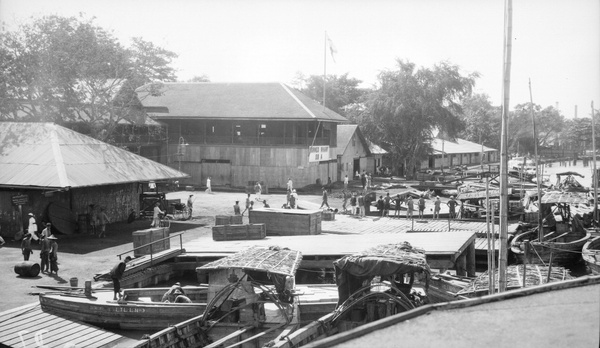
[
  {"x": 525, "y": 260},
  {"x": 550, "y": 266},
  {"x": 471, "y": 260}
]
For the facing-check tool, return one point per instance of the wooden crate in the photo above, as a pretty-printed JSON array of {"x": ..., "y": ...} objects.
[
  {"x": 150, "y": 235},
  {"x": 288, "y": 222},
  {"x": 239, "y": 232},
  {"x": 228, "y": 220},
  {"x": 328, "y": 215}
]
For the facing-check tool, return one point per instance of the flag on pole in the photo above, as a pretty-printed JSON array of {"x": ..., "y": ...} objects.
[{"x": 332, "y": 48}]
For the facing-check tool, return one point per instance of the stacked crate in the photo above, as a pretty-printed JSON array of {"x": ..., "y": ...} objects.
[
  {"x": 239, "y": 232},
  {"x": 288, "y": 222}
]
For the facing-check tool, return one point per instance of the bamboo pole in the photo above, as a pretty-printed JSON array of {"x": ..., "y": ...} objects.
[
  {"x": 595, "y": 176},
  {"x": 537, "y": 172},
  {"x": 490, "y": 255},
  {"x": 503, "y": 258}
]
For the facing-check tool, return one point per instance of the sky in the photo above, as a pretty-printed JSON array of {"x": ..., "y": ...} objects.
[{"x": 556, "y": 43}]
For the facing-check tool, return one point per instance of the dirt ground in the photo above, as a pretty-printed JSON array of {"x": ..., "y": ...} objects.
[{"x": 82, "y": 256}]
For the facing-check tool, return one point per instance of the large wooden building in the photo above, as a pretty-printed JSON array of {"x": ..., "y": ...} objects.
[{"x": 237, "y": 133}]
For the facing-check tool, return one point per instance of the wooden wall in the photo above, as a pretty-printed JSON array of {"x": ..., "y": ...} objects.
[{"x": 236, "y": 166}]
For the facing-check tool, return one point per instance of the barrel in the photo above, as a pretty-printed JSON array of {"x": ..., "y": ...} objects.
[
  {"x": 73, "y": 282},
  {"x": 88, "y": 288},
  {"x": 27, "y": 269}
]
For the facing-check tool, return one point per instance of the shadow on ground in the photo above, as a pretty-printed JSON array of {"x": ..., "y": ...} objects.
[{"x": 116, "y": 234}]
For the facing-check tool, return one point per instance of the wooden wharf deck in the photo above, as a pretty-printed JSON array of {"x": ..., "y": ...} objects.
[{"x": 29, "y": 326}]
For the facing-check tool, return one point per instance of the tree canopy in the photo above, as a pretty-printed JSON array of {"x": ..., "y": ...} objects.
[
  {"x": 409, "y": 105},
  {"x": 341, "y": 91},
  {"x": 69, "y": 70}
]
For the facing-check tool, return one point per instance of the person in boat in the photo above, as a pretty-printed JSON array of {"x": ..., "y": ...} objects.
[
  {"x": 116, "y": 274},
  {"x": 172, "y": 293}
]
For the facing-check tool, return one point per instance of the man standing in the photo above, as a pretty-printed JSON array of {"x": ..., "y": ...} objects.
[
  {"x": 156, "y": 215},
  {"x": 190, "y": 206},
  {"x": 44, "y": 252},
  {"x": 421, "y": 206},
  {"x": 346, "y": 182},
  {"x": 102, "y": 220},
  {"x": 247, "y": 204},
  {"x": 116, "y": 273},
  {"x": 32, "y": 228},
  {"x": 363, "y": 180},
  {"x": 290, "y": 185},
  {"x": 397, "y": 203},
  {"x": 410, "y": 206},
  {"x": 436, "y": 207},
  {"x": 236, "y": 208},
  {"x": 208, "y": 188},
  {"x": 325, "y": 199},
  {"x": 47, "y": 232},
  {"x": 53, "y": 255},
  {"x": 26, "y": 246},
  {"x": 386, "y": 205},
  {"x": 257, "y": 191},
  {"x": 360, "y": 202},
  {"x": 452, "y": 207},
  {"x": 353, "y": 203}
]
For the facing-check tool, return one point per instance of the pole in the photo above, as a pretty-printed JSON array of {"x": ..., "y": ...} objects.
[
  {"x": 490, "y": 254},
  {"x": 537, "y": 171},
  {"x": 503, "y": 257},
  {"x": 324, "y": 69},
  {"x": 595, "y": 176}
]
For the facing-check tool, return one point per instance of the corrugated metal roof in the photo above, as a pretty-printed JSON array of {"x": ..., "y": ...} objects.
[
  {"x": 48, "y": 155},
  {"x": 565, "y": 197},
  {"x": 259, "y": 101},
  {"x": 457, "y": 147}
]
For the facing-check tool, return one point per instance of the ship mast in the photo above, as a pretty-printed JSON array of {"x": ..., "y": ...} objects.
[{"x": 503, "y": 257}]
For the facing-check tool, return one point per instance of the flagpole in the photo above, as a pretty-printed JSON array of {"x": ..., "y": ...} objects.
[{"x": 324, "y": 68}]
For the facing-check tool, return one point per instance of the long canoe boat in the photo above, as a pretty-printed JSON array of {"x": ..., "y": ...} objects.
[
  {"x": 591, "y": 255},
  {"x": 139, "y": 309}
]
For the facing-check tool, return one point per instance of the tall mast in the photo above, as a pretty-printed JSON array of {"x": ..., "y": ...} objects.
[
  {"x": 503, "y": 257},
  {"x": 324, "y": 68},
  {"x": 595, "y": 176},
  {"x": 537, "y": 171}
]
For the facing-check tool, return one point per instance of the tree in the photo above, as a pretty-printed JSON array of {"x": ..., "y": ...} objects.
[
  {"x": 482, "y": 121},
  {"x": 409, "y": 104},
  {"x": 69, "y": 71},
  {"x": 340, "y": 90},
  {"x": 549, "y": 124},
  {"x": 202, "y": 78}
]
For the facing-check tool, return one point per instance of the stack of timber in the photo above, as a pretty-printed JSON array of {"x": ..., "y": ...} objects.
[
  {"x": 239, "y": 232},
  {"x": 228, "y": 220},
  {"x": 288, "y": 222}
]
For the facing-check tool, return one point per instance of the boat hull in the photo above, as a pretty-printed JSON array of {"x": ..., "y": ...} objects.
[
  {"x": 591, "y": 255},
  {"x": 102, "y": 311},
  {"x": 562, "y": 253}
]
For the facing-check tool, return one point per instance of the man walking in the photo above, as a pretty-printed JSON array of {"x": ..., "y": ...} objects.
[
  {"x": 116, "y": 274},
  {"x": 325, "y": 199}
]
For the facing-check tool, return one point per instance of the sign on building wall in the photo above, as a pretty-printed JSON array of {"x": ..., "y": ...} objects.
[
  {"x": 20, "y": 199},
  {"x": 318, "y": 153}
]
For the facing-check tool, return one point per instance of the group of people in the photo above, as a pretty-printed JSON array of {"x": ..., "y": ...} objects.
[
  {"x": 47, "y": 243},
  {"x": 98, "y": 221}
]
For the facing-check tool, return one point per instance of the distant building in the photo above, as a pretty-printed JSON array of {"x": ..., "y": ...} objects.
[
  {"x": 43, "y": 164},
  {"x": 355, "y": 153},
  {"x": 238, "y": 133},
  {"x": 458, "y": 152}
]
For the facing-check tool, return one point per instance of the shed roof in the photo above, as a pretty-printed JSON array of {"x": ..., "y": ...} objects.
[
  {"x": 459, "y": 146},
  {"x": 259, "y": 258},
  {"x": 46, "y": 155},
  {"x": 344, "y": 135},
  {"x": 207, "y": 100}
]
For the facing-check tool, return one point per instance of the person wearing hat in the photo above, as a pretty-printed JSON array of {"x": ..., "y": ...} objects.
[
  {"x": 44, "y": 254},
  {"x": 452, "y": 207},
  {"x": 53, "y": 255},
  {"x": 190, "y": 205},
  {"x": 47, "y": 232},
  {"x": 173, "y": 292},
  {"x": 116, "y": 274},
  {"x": 26, "y": 246},
  {"x": 32, "y": 228}
]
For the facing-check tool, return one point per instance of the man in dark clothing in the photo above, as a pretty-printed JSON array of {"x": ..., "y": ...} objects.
[
  {"x": 236, "y": 208},
  {"x": 44, "y": 255},
  {"x": 452, "y": 207},
  {"x": 116, "y": 273},
  {"x": 363, "y": 179},
  {"x": 380, "y": 206},
  {"x": 26, "y": 246}
]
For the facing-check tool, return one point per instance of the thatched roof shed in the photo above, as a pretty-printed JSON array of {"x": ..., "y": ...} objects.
[{"x": 274, "y": 260}]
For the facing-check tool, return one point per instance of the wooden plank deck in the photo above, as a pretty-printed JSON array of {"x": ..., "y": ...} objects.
[{"x": 29, "y": 326}]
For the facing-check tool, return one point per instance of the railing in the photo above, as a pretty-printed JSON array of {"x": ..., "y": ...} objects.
[{"x": 153, "y": 242}]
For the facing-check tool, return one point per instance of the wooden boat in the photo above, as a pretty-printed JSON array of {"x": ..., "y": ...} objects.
[
  {"x": 140, "y": 308},
  {"x": 446, "y": 287},
  {"x": 562, "y": 242},
  {"x": 591, "y": 255},
  {"x": 372, "y": 285},
  {"x": 250, "y": 302},
  {"x": 62, "y": 218}
]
